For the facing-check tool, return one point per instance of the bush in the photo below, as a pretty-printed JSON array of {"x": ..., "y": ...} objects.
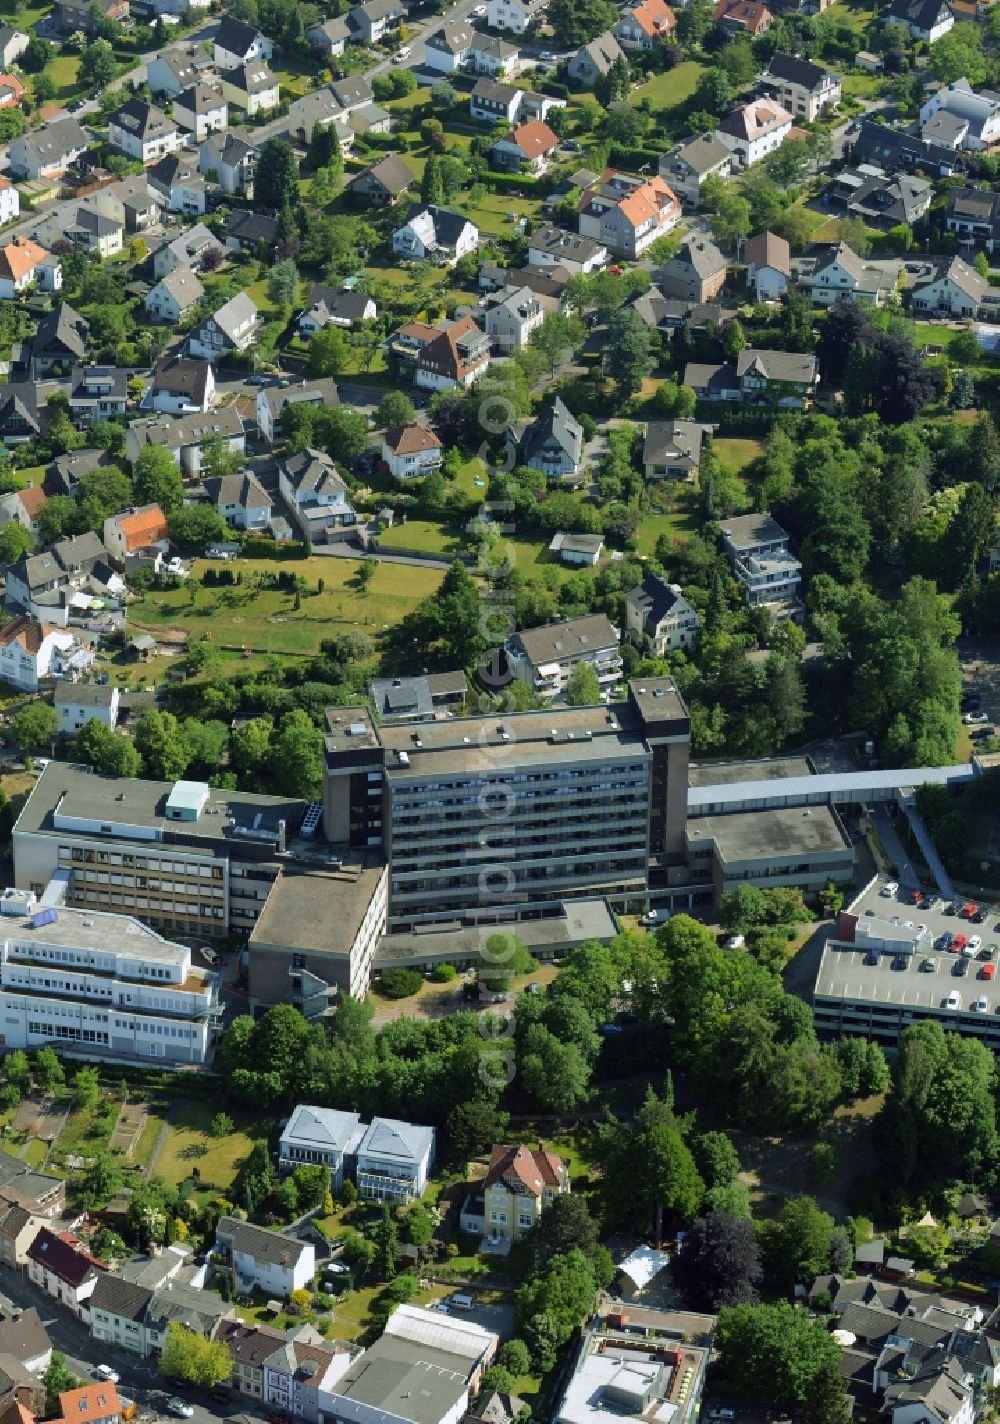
[
  {"x": 444, "y": 973},
  {"x": 399, "y": 983}
]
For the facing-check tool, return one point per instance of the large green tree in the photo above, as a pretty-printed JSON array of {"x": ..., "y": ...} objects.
[{"x": 774, "y": 1353}]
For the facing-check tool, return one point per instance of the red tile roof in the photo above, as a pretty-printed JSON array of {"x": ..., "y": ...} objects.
[{"x": 522, "y": 1166}]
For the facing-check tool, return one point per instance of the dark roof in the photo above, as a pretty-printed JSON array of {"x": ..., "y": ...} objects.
[
  {"x": 448, "y": 226},
  {"x": 390, "y": 172},
  {"x": 795, "y": 71},
  {"x": 20, "y": 401},
  {"x": 142, "y": 119},
  {"x": 251, "y": 227},
  {"x": 889, "y": 147},
  {"x": 26, "y": 1337},
  {"x": 655, "y": 598},
  {"x": 349, "y": 306},
  {"x": 923, "y": 14},
  {"x": 120, "y": 1297},
  {"x": 62, "y": 329},
  {"x": 554, "y": 424},
  {"x": 57, "y": 1256},
  {"x": 183, "y": 376},
  {"x": 235, "y": 35}
]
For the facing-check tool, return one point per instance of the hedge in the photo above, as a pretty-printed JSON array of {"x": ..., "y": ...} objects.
[
  {"x": 733, "y": 419},
  {"x": 634, "y": 158}
]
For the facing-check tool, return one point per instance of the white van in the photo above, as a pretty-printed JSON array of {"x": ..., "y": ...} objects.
[
  {"x": 402, "y": 55},
  {"x": 461, "y": 1302}
]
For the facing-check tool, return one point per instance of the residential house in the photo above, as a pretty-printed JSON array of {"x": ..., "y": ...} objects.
[
  {"x": 895, "y": 149},
  {"x": 329, "y": 37},
  {"x": 236, "y": 43},
  {"x": 134, "y": 530},
  {"x": 972, "y": 216},
  {"x": 201, "y": 1310},
  {"x": 545, "y": 657},
  {"x": 94, "y": 232},
  {"x": 743, "y": 17},
  {"x": 435, "y": 234},
  {"x": 456, "y": 356},
  {"x": 770, "y": 575},
  {"x": 695, "y": 273},
  {"x": 514, "y": 16},
  {"x": 955, "y": 290},
  {"x": 841, "y": 275},
  {"x": 251, "y": 233},
  {"x": 393, "y": 1160},
  {"x": 627, "y": 214},
  {"x": 686, "y": 166},
  {"x": 242, "y": 500},
  {"x": 880, "y": 201},
  {"x": 573, "y": 253},
  {"x": 12, "y": 91},
  {"x": 48, "y": 151},
  {"x": 29, "y": 652},
  {"x": 492, "y": 56},
  {"x": 73, "y": 15},
  {"x": 185, "y": 436},
  {"x": 594, "y": 59},
  {"x": 925, "y": 19},
  {"x": 142, "y": 131},
  {"x": 176, "y": 294},
  {"x": 804, "y": 88},
  {"x": 264, "y": 1260},
  {"x": 782, "y": 378},
  {"x": 520, "y": 1183},
  {"x": 671, "y": 449},
  {"x": 510, "y": 322},
  {"x": 330, "y": 306},
  {"x": 35, "y": 584},
  {"x": 579, "y": 549},
  {"x": 21, "y": 415},
  {"x": 249, "y": 1346},
  {"x": 24, "y": 263},
  {"x": 547, "y": 283},
  {"x": 229, "y": 161},
  {"x": 23, "y": 506},
  {"x": 658, "y": 618},
  {"x": 644, "y": 25},
  {"x": 447, "y": 49},
  {"x": 383, "y": 182},
  {"x": 553, "y": 442},
  {"x": 10, "y": 200},
  {"x": 669, "y": 314},
  {"x": 118, "y": 1310},
  {"x": 97, "y": 393},
  {"x": 315, "y": 1136},
  {"x": 61, "y": 1267},
  {"x": 272, "y": 401},
  {"x": 66, "y": 471},
  {"x": 978, "y": 114},
  {"x": 181, "y": 387},
  {"x": 314, "y": 491},
  {"x": 300, "y": 1375},
  {"x": 232, "y": 328},
  {"x": 188, "y": 249},
  {"x": 96, "y": 1403},
  {"x": 141, "y": 207},
  {"x": 78, "y": 703},
  {"x": 23, "y": 1336},
  {"x": 490, "y": 101},
  {"x": 754, "y": 130},
  {"x": 13, "y": 43},
  {"x": 769, "y": 265},
  {"x": 372, "y": 20},
  {"x": 37, "y": 1192},
  {"x": 179, "y": 186},
  {"x": 170, "y": 71},
  {"x": 252, "y": 88},
  {"x": 411, "y": 451},
  {"x": 201, "y": 110}
]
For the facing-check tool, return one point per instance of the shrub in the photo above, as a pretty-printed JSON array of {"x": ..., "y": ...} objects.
[
  {"x": 444, "y": 973},
  {"x": 399, "y": 983}
]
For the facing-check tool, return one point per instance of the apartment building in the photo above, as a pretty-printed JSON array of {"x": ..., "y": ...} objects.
[
  {"x": 804, "y": 88},
  {"x": 627, "y": 214},
  {"x": 600, "y": 805},
  {"x": 180, "y": 856},
  {"x": 392, "y": 1160},
  {"x": 545, "y": 657},
  {"x": 100, "y": 984},
  {"x": 265, "y": 1260},
  {"x": 315, "y": 1136},
  {"x": 770, "y": 574}
]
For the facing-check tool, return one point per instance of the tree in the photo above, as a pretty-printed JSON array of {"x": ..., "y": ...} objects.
[
  {"x": 222, "y": 1125},
  {"x": 312, "y": 1182},
  {"x": 575, "y": 22},
  {"x": 37, "y": 55},
  {"x": 432, "y": 184},
  {"x": 555, "y": 1074},
  {"x": 47, "y": 1070},
  {"x": 15, "y": 540},
  {"x": 283, "y": 284},
  {"x": 774, "y": 1352},
  {"x": 627, "y": 353},
  {"x": 614, "y": 86},
  {"x": 328, "y": 352},
  {"x": 101, "y": 1180},
  {"x": 194, "y": 526},
  {"x": 714, "y": 92},
  {"x": 562, "y": 1291},
  {"x": 565, "y": 1225},
  {"x": 158, "y": 479},
  {"x": 160, "y": 742},
  {"x": 583, "y": 688},
  {"x": 296, "y": 758},
  {"x": 958, "y": 54},
  {"x": 798, "y": 1241},
  {"x": 473, "y": 1127},
  {"x": 515, "y": 1356},
  {"x": 34, "y": 726},
  {"x": 97, "y": 66},
  {"x": 276, "y": 185},
  {"x": 496, "y": 1377},
  {"x": 106, "y": 751},
  {"x": 86, "y": 1088},
  {"x": 386, "y": 1241},
  {"x": 324, "y": 150},
  {"x": 720, "y": 1263},
  {"x": 716, "y": 1158},
  {"x": 734, "y": 340},
  {"x": 394, "y": 409},
  {"x": 57, "y": 1379},
  {"x": 828, "y": 1402},
  {"x": 559, "y": 335},
  {"x": 191, "y": 1357}
]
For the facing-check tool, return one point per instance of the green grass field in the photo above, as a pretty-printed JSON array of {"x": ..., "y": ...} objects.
[
  {"x": 189, "y": 1145},
  {"x": 674, "y": 523},
  {"x": 424, "y": 534},
  {"x": 672, "y": 88},
  {"x": 733, "y": 455},
  {"x": 267, "y": 620},
  {"x": 856, "y": 17}
]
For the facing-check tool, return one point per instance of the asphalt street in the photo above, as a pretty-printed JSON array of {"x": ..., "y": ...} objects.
[{"x": 139, "y": 1379}]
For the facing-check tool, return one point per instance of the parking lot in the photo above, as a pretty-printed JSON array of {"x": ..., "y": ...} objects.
[{"x": 980, "y": 663}]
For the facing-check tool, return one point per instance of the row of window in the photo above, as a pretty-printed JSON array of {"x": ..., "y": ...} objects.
[{"x": 84, "y": 855}]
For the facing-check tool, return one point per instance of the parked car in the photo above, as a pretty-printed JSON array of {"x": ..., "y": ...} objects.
[
  {"x": 975, "y": 944},
  {"x": 944, "y": 941},
  {"x": 927, "y": 966},
  {"x": 890, "y": 888},
  {"x": 971, "y": 702},
  {"x": 972, "y": 719},
  {"x": 958, "y": 944},
  {"x": 401, "y": 55},
  {"x": 959, "y": 968},
  {"x": 178, "y": 1408},
  {"x": 988, "y": 971},
  {"x": 954, "y": 1000},
  {"x": 981, "y": 1005},
  {"x": 105, "y": 1372}
]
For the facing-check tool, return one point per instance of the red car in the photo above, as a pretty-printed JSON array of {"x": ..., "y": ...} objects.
[
  {"x": 917, "y": 897},
  {"x": 967, "y": 911},
  {"x": 958, "y": 944},
  {"x": 988, "y": 971}
]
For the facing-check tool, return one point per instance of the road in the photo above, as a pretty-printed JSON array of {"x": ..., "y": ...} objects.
[{"x": 139, "y": 1378}]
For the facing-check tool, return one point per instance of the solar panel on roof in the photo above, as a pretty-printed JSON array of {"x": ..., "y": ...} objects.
[{"x": 43, "y": 917}]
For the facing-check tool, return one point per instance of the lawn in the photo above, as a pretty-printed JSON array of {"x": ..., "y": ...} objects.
[
  {"x": 267, "y": 621},
  {"x": 493, "y": 214},
  {"x": 62, "y": 70},
  {"x": 423, "y": 534},
  {"x": 189, "y": 1145},
  {"x": 734, "y": 454},
  {"x": 673, "y": 523},
  {"x": 854, "y": 17},
  {"x": 673, "y": 87}
]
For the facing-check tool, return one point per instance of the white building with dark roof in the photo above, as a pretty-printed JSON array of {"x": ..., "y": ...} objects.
[
  {"x": 265, "y": 1260},
  {"x": 434, "y": 234},
  {"x": 545, "y": 657},
  {"x": 659, "y": 618},
  {"x": 805, "y": 89}
]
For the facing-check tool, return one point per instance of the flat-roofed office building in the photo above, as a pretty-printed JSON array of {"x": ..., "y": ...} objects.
[{"x": 805, "y": 846}]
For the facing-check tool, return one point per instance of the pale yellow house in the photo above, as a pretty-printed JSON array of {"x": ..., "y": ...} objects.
[{"x": 520, "y": 1183}]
